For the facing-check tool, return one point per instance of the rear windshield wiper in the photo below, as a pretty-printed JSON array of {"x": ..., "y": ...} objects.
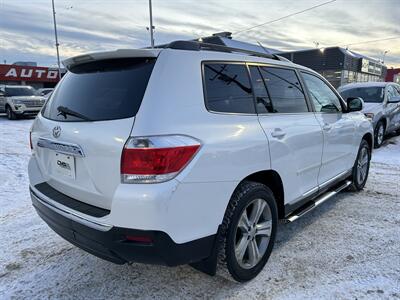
[{"x": 64, "y": 111}]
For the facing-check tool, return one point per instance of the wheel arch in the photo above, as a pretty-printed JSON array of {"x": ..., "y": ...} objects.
[
  {"x": 369, "y": 138},
  {"x": 273, "y": 180},
  {"x": 384, "y": 120}
]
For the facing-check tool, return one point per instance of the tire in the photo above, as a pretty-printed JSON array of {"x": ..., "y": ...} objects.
[
  {"x": 379, "y": 134},
  {"x": 359, "y": 177},
  {"x": 10, "y": 114},
  {"x": 247, "y": 199}
]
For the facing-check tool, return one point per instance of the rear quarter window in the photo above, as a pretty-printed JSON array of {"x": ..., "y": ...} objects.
[
  {"x": 227, "y": 88},
  {"x": 102, "y": 90}
]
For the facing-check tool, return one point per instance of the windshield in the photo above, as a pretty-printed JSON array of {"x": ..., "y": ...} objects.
[
  {"x": 101, "y": 90},
  {"x": 44, "y": 92},
  {"x": 19, "y": 91},
  {"x": 371, "y": 94}
]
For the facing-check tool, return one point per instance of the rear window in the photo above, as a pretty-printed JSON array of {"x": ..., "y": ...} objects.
[
  {"x": 227, "y": 88},
  {"x": 102, "y": 90}
]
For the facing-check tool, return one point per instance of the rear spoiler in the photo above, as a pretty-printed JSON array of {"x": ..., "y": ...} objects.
[{"x": 120, "y": 53}]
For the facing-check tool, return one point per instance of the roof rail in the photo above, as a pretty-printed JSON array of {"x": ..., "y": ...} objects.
[{"x": 197, "y": 46}]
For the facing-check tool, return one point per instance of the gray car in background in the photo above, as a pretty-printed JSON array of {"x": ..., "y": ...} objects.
[{"x": 381, "y": 105}]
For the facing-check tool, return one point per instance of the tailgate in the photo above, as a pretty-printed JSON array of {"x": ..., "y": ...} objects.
[{"x": 79, "y": 136}]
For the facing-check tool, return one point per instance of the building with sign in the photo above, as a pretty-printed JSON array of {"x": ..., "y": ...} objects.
[
  {"x": 38, "y": 77},
  {"x": 393, "y": 75},
  {"x": 338, "y": 65}
]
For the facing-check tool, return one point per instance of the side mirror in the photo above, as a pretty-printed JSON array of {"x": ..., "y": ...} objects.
[
  {"x": 2, "y": 94},
  {"x": 394, "y": 99},
  {"x": 354, "y": 104}
]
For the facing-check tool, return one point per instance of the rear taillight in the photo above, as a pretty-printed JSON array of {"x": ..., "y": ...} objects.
[{"x": 156, "y": 159}]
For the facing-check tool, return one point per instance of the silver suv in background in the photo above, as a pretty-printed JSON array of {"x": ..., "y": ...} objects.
[
  {"x": 19, "y": 100},
  {"x": 381, "y": 105}
]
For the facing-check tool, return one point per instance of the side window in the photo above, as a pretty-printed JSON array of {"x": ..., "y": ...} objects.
[
  {"x": 284, "y": 89},
  {"x": 324, "y": 99},
  {"x": 345, "y": 94},
  {"x": 227, "y": 88},
  {"x": 392, "y": 92},
  {"x": 263, "y": 102}
]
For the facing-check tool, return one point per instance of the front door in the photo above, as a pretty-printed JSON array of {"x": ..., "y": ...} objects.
[{"x": 337, "y": 127}]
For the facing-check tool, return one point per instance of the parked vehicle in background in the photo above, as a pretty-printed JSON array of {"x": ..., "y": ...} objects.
[
  {"x": 19, "y": 100},
  {"x": 45, "y": 92},
  {"x": 381, "y": 105},
  {"x": 191, "y": 154}
]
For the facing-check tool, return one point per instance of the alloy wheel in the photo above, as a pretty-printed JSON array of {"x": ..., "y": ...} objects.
[
  {"x": 380, "y": 134},
  {"x": 253, "y": 233},
  {"x": 362, "y": 165}
]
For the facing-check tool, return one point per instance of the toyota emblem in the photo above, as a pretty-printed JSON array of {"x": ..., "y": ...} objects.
[{"x": 56, "y": 131}]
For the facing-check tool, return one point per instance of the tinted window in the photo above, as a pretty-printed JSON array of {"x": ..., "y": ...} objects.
[
  {"x": 19, "y": 91},
  {"x": 392, "y": 92},
  {"x": 368, "y": 94},
  {"x": 227, "y": 88},
  {"x": 263, "y": 102},
  {"x": 324, "y": 99},
  {"x": 105, "y": 90},
  {"x": 284, "y": 89}
]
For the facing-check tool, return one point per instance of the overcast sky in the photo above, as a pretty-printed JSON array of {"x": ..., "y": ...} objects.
[{"x": 26, "y": 26}]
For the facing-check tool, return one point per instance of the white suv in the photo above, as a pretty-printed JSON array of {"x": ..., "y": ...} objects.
[
  {"x": 19, "y": 100},
  {"x": 191, "y": 153}
]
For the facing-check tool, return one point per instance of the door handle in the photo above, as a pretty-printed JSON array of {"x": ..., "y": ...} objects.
[
  {"x": 327, "y": 127},
  {"x": 278, "y": 133}
]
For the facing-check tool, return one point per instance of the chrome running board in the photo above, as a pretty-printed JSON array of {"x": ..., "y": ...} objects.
[{"x": 316, "y": 202}]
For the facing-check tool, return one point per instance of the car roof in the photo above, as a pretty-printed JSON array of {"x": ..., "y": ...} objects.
[
  {"x": 202, "y": 54},
  {"x": 364, "y": 85},
  {"x": 15, "y": 85}
]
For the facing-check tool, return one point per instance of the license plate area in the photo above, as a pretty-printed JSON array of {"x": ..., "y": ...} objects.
[{"x": 64, "y": 165}]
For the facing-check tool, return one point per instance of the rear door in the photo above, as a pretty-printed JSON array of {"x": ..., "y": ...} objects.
[
  {"x": 338, "y": 128},
  {"x": 79, "y": 136},
  {"x": 294, "y": 134}
]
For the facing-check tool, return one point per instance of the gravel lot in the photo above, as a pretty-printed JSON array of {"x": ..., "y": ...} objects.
[{"x": 346, "y": 249}]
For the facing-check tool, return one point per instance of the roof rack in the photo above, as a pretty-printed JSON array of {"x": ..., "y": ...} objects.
[{"x": 197, "y": 46}]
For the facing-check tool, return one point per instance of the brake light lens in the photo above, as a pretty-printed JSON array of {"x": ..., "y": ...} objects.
[{"x": 156, "y": 159}]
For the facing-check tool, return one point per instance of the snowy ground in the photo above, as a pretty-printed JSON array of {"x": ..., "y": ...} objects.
[{"x": 346, "y": 249}]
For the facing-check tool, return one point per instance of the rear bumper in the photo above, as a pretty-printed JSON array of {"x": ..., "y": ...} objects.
[{"x": 110, "y": 242}]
